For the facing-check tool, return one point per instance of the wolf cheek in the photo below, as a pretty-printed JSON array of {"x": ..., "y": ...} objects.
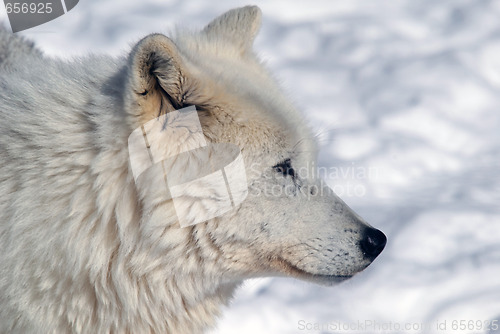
[{"x": 203, "y": 181}]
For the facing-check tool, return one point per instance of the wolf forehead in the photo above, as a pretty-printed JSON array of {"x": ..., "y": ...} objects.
[{"x": 217, "y": 71}]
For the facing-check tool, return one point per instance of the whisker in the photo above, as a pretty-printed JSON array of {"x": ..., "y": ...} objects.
[
  {"x": 320, "y": 137},
  {"x": 323, "y": 135}
]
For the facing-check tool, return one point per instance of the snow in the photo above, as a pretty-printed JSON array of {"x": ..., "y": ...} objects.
[{"x": 408, "y": 89}]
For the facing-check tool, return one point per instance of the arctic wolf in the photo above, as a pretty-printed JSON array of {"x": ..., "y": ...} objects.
[{"x": 86, "y": 249}]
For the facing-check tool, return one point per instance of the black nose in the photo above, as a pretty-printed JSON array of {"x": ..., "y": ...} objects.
[{"x": 373, "y": 243}]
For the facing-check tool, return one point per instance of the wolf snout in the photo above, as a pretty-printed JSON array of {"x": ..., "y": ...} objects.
[{"x": 373, "y": 243}]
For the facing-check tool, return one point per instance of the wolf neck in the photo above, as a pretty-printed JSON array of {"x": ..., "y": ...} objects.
[
  {"x": 154, "y": 304},
  {"x": 154, "y": 278}
]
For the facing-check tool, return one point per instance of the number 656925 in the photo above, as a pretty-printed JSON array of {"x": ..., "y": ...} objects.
[{"x": 32, "y": 8}]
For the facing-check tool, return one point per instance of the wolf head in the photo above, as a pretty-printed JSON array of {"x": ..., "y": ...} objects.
[{"x": 291, "y": 223}]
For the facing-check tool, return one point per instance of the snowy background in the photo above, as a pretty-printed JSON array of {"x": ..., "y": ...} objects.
[{"x": 405, "y": 97}]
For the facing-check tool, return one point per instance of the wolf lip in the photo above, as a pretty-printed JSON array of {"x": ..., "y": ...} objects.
[{"x": 293, "y": 270}]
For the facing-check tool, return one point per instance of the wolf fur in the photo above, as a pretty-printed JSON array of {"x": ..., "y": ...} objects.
[{"x": 85, "y": 249}]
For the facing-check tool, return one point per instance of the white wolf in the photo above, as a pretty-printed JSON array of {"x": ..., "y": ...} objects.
[{"x": 84, "y": 249}]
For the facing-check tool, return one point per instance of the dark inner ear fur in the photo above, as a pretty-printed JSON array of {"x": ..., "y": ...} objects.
[{"x": 156, "y": 77}]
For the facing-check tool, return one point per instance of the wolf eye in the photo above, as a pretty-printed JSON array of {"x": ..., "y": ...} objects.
[{"x": 285, "y": 168}]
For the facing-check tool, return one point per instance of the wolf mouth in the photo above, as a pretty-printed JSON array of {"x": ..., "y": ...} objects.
[{"x": 293, "y": 270}]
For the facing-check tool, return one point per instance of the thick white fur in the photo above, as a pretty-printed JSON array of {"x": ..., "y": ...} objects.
[{"x": 84, "y": 249}]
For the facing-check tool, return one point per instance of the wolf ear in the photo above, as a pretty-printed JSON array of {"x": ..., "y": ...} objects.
[
  {"x": 155, "y": 77},
  {"x": 240, "y": 26}
]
